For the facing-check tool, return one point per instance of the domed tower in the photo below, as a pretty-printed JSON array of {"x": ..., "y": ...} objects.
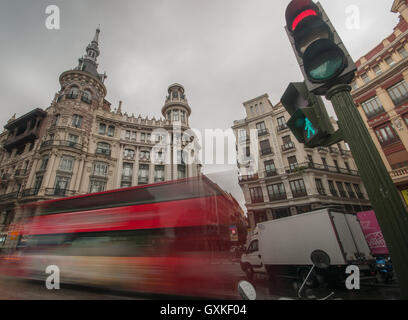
[
  {"x": 176, "y": 108},
  {"x": 70, "y": 118}
]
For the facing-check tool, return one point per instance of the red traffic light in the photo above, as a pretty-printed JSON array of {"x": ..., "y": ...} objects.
[{"x": 298, "y": 11}]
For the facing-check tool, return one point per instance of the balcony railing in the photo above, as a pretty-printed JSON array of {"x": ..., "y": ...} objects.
[
  {"x": 288, "y": 146},
  {"x": 277, "y": 197},
  {"x": 126, "y": 178},
  {"x": 398, "y": 101},
  {"x": 246, "y": 178},
  {"x": 143, "y": 180},
  {"x": 129, "y": 157},
  {"x": 334, "y": 193},
  {"x": 59, "y": 192},
  {"x": 29, "y": 192},
  {"x": 262, "y": 133},
  {"x": 257, "y": 200},
  {"x": 271, "y": 173},
  {"x": 375, "y": 113},
  {"x": 104, "y": 152},
  {"x": 266, "y": 151},
  {"x": 317, "y": 166},
  {"x": 64, "y": 143},
  {"x": 351, "y": 195},
  {"x": 282, "y": 127},
  {"x": 20, "y": 173},
  {"x": 9, "y": 196},
  {"x": 399, "y": 173},
  {"x": 299, "y": 193}
]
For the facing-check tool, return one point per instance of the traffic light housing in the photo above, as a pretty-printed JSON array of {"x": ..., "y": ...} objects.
[
  {"x": 320, "y": 52},
  {"x": 309, "y": 122}
]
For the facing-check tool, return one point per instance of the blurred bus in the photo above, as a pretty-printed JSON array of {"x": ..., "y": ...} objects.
[{"x": 167, "y": 238}]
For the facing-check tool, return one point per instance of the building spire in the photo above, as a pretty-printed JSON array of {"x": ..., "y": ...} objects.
[{"x": 88, "y": 63}]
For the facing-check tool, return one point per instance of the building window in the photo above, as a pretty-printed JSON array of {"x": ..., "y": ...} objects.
[
  {"x": 350, "y": 191},
  {"x": 276, "y": 192},
  {"x": 358, "y": 191},
  {"x": 282, "y": 124},
  {"x": 143, "y": 137},
  {"x": 129, "y": 154},
  {"x": 336, "y": 164},
  {"x": 332, "y": 189},
  {"x": 181, "y": 171},
  {"x": 265, "y": 147},
  {"x": 270, "y": 168},
  {"x": 103, "y": 148},
  {"x": 256, "y": 195},
  {"x": 180, "y": 157},
  {"x": 183, "y": 116},
  {"x": 399, "y": 93},
  {"x": 158, "y": 173},
  {"x": 37, "y": 184},
  {"x": 386, "y": 135},
  {"x": 102, "y": 128},
  {"x": 347, "y": 166},
  {"x": 365, "y": 78},
  {"x": 354, "y": 85},
  {"x": 324, "y": 161},
  {"x": 287, "y": 143},
  {"x": 44, "y": 163},
  {"x": 320, "y": 187},
  {"x": 127, "y": 135},
  {"x": 293, "y": 163},
  {"x": 176, "y": 115},
  {"x": 390, "y": 61},
  {"x": 55, "y": 120},
  {"x": 144, "y": 155},
  {"x": 372, "y": 107},
  {"x": 77, "y": 121},
  {"x": 127, "y": 171},
  {"x": 143, "y": 174},
  {"x": 97, "y": 186},
  {"x": 298, "y": 188},
  {"x": 403, "y": 52},
  {"x": 111, "y": 131},
  {"x": 61, "y": 185},
  {"x": 67, "y": 164},
  {"x": 87, "y": 97},
  {"x": 261, "y": 129},
  {"x": 377, "y": 70},
  {"x": 100, "y": 169},
  {"x": 169, "y": 115},
  {"x": 73, "y": 93},
  {"x": 134, "y": 133},
  {"x": 340, "y": 187},
  {"x": 243, "y": 135}
]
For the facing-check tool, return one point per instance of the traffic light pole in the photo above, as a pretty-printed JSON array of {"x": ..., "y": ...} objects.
[{"x": 385, "y": 199}]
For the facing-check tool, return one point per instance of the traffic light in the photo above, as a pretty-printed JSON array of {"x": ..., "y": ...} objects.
[
  {"x": 320, "y": 52},
  {"x": 233, "y": 233},
  {"x": 309, "y": 122}
]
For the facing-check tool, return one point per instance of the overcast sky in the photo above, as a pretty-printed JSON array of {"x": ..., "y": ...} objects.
[{"x": 224, "y": 52}]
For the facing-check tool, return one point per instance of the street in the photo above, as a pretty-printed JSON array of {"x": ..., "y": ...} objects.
[{"x": 16, "y": 289}]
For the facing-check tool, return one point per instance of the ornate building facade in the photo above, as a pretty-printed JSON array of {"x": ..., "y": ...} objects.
[
  {"x": 380, "y": 91},
  {"x": 78, "y": 145},
  {"x": 280, "y": 177}
]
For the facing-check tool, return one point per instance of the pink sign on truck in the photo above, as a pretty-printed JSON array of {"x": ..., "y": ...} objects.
[{"x": 372, "y": 232}]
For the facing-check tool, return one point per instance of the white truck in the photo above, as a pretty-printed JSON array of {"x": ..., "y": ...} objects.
[{"x": 283, "y": 247}]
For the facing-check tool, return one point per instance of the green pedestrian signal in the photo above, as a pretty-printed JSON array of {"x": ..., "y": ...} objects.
[
  {"x": 310, "y": 131},
  {"x": 309, "y": 122}
]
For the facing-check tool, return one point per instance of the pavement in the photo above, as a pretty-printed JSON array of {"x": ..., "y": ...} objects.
[{"x": 18, "y": 289}]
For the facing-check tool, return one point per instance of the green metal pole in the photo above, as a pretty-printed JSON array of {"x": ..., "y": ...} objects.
[{"x": 384, "y": 196}]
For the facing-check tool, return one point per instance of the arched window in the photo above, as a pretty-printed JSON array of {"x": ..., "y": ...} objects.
[
  {"x": 87, "y": 97},
  {"x": 73, "y": 93},
  {"x": 103, "y": 148}
]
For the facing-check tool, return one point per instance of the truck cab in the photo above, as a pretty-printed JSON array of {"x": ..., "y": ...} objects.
[{"x": 251, "y": 259}]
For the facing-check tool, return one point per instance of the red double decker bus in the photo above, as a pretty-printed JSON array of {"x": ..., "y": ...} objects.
[{"x": 167, "y": 238}]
